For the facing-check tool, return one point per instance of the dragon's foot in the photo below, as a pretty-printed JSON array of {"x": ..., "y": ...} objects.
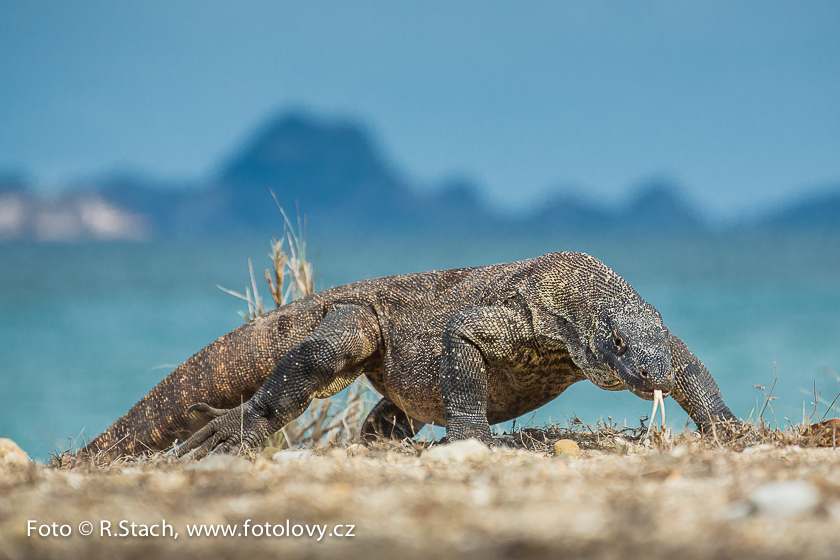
[
  {"x": 231, "y": 431},
  {"x": 465, "y": 428},
  {"x": 388, "y": 421}
]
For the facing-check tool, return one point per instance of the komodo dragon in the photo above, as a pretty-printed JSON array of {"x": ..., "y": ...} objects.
[{"x": 461, "y": 348}]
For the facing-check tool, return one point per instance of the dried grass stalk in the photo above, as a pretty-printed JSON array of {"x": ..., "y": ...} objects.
[{"x": 292, "y": 265}]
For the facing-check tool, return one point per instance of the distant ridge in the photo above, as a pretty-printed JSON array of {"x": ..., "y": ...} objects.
[
  {"x": 811, "y": 213},
  {"x": 654, "y": 207},
  {"x": 333, "y": 171}
]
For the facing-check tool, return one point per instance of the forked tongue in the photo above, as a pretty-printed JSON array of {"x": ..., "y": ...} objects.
[{"x": 658, "y": 401}]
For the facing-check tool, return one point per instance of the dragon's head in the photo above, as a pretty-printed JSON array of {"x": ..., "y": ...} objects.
[
  {"x": 630, "y": 349},
  {"x": 611, "y": 333}
]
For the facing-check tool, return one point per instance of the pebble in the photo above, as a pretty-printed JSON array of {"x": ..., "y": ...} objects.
[
  {"x": 291, "y": 455},
  {"x": 11, "y": 454},
  {"x": 220, "y": 463},
  {"x": 786, "y": 498},
  {"x": 679, "y": 451},
  {"x": 458, "y": 452},
  {"x": 568, "y": 447}
]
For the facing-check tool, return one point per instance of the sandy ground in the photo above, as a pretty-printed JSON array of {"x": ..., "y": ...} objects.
[{"x": 617, "y": 499}]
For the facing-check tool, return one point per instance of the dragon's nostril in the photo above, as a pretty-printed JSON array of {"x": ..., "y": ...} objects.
[{"x": 643, "y": 373}]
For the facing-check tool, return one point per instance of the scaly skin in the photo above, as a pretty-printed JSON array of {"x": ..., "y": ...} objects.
[{"x": 461, "y": 348}]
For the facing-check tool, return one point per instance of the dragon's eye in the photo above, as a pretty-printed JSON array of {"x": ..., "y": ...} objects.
[{"x": 620, "y": 345}]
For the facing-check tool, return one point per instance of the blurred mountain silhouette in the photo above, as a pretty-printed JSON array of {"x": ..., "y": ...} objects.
[
  {"x": 812, "y": 213},
  {"x": 333, "y": 172},
  {"x": 655, "y": 207}
]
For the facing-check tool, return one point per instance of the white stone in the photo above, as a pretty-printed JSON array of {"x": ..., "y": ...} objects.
[
  {"x": 679, "y": 451},
  {"x": 458, "y": 452},
  {"x": 786, "y": 498}
]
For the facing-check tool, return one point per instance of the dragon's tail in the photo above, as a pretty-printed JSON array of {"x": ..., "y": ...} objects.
[{"x": 224, "y": 374}]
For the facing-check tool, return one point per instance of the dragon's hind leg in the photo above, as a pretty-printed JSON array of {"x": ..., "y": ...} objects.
[{"x": 387, "y": 420}]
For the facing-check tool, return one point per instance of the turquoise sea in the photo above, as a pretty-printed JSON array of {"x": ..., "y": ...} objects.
[{"x": 88, "y": 329}]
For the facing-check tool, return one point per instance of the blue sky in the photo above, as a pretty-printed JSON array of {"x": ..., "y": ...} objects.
[{"x": 738, "y": 102}]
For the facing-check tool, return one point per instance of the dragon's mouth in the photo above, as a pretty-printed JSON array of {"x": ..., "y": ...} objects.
[{"x": 651, "y": 395}]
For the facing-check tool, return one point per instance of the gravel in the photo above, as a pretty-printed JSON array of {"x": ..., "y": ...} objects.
[{"x": 691, "y": 500}]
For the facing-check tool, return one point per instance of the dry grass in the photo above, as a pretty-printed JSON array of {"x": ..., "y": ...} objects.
[{"x": 293, "y": 266}]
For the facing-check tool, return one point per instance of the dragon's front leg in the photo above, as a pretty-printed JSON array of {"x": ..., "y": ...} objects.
[{"x": 322, "y": 364}]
